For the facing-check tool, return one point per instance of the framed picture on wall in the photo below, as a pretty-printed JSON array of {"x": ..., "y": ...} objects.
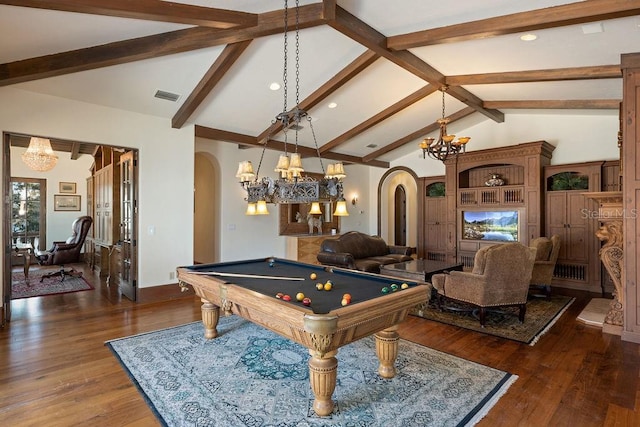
[
  {"x": 63, "y": 202},
  {"x": 68, "y": 187}
]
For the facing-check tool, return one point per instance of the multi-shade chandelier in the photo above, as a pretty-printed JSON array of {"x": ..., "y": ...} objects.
[
  {"x": 292, "y": 186},
  {"x": 445, "y": 146},
  {"x": 40, "y": 156}
]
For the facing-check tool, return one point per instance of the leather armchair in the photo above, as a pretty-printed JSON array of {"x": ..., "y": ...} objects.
[
  {"x": 68, "y": 251},
  {"x": 500, "y": 277},
  {"x": 547, "y": 250}
]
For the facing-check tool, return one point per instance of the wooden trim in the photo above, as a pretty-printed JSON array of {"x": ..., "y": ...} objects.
[{"x": 557, "y": 74}]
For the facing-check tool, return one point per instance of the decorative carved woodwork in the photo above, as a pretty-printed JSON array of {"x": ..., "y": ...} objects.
[{"x": 611, "y": 214}]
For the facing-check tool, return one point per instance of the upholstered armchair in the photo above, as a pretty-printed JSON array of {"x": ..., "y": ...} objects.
[
  {"x": 547, "y": 250},
  {"x": 66, "y": 252},
  {"x": 500, "y": 277}
]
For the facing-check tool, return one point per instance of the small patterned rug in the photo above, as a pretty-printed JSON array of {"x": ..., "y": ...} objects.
[
  {"x": 21, "y": 288},
  {"x": 249, "y": 376},
  {"x": 541, "y": 315}
]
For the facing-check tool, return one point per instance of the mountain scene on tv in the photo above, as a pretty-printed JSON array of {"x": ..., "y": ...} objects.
[{"x": 498, "y": 225}]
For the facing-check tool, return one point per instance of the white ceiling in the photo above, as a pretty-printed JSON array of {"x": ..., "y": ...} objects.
[{"x": 243, "y": 103}]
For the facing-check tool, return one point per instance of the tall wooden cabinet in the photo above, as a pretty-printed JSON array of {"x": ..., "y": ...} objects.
[{"x": 572, "y": 216}]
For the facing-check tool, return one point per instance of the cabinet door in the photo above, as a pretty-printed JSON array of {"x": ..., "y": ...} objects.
[
  {"x": 557, "y": 219},
  {"x": 435, "y": 224},
  {"x": 577, "y": 228}
]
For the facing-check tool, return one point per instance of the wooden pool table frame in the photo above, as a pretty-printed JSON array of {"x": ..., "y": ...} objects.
[{"x": 322, "y": 334}]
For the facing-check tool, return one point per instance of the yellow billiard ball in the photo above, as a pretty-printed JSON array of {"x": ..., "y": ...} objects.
[
  {"x": 299, "y": 296},
  {"x": 404, "y": 286},
  {"x": 319, "y": 286},
  {"x": 313, "y": 276},
  {"x": 327, "y": 286}
]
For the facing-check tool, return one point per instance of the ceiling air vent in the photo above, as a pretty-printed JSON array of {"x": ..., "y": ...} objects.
[
  {"x": 161, "y": 94},
  {"x": 372, "y": 145}
]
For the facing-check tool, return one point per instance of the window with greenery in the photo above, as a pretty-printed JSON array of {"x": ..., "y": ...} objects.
[
  {"x": 567, "y": 181},
  {"x": 28, "y": 209},
  {"x": 436, "y": 189}
]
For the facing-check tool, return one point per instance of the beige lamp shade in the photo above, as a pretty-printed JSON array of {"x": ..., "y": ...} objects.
[
  {"x": 40, "y": 156},
  {"x": 261, "y": 208},
  {"x": 338, "y": 171},
  {"x": 315, "y": 209},
  {"x": 251, "y": 209},
  {"x": 295, "y": 165},
  {"x": 341, "y": 208}
]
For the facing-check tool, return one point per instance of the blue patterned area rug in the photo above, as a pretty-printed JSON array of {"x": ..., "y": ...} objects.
[{"x": 249, "y": 376}]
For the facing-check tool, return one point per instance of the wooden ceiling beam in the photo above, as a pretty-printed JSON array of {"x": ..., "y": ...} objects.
[
  {"x": 571, "y": 104},
  {"x": 149, "y": 47},
  {"x": 378, "y": 118},
  {"x": 558, "y": 74},
  {"x": 417, "y": 134},
  {"x": 364, "y": 34},
  {"x": 212, "y": 77},
  {"x": 558, "y": 16},
  {"x": 332, "y": 85},
  {"x": 75, "y": 150},
  {"x": 238, "y": 138},
  {"x": 149, "y": 10}
]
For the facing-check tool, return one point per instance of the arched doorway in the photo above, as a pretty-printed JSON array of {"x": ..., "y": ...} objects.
[
  {"x": 389, "y": 183},
  {"x": 206, "y": 207},
  {"x": 400, "y": 216}
]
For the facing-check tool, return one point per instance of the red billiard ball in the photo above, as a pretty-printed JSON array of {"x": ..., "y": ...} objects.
[
  {"x": 306, "y": 301},
  {"x": 286, "y": 298},
  {"x": 279, "y": 295}
]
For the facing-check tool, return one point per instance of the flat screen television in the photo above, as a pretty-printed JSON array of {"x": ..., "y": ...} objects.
[{"x": 490, "y": 225}]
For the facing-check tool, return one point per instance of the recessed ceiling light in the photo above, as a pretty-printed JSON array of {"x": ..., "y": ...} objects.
[
  {"x": 332, "y": 105},
  {"x": 528, "y": 37},
  {"x": 274, "y": 86}
]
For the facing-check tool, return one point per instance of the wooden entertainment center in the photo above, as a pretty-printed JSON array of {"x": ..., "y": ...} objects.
[{"x": 535, "y": 197}]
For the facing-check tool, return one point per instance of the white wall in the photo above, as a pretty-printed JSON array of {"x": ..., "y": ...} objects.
[
  {"x": 165, "y": 168},
  {"x": 66, "y": 170}
]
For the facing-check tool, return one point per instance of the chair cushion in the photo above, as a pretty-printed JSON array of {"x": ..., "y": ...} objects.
[{"x": 543, "y": 247}]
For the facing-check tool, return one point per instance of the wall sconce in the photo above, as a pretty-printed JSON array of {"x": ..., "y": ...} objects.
[{"x": 354, "y": 200}]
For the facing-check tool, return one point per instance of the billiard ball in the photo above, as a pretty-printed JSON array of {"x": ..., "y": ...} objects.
[
  {"x": 347, "y": 296},
  {"x": 299, "y": 296},
  {"x": 319, "y": 286},
  {"x": 313, "y": 276},
  {"x": 345, "y": 301},
  {"x": 306, "y": 301},
  {"x": 385, "y": 290},
  {"x": 286, "y": 298},
  {"x": 394, "y": 287},
  {"x": 270, "y": 263},
  {"x": 328, "y": 286},
  {"x": 279, "y": 295},
  {"x": 404, "y": 286}
]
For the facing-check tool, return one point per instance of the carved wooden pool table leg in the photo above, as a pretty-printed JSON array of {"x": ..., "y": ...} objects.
[
  {"x": 210, "y": 317},
  {"x": 322, "y": 374},
  {"x": 387, "y": 351}
]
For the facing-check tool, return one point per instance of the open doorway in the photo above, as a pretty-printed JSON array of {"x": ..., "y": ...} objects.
[{"x": 69, "y": 192}]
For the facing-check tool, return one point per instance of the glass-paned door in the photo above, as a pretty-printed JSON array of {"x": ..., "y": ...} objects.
[
  {"x": 28, "y": 210},
  {"x": 128, "y": 200}
]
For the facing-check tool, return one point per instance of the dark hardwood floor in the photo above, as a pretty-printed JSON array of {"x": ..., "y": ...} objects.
[{"x": 56, "y": 371}]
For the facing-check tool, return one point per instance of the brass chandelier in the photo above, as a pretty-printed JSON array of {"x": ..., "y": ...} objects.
[
  {"x": 445, "y": 146},
  {"x": 292, "y": 186}
]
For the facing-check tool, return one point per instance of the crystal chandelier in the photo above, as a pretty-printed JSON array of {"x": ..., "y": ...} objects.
[
  {"x": 39, "y": 156},
  {"x": 445, "y": 146},
  {"x": 292, "y": 186}
]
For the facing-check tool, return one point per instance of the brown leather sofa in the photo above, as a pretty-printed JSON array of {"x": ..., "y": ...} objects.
[{"x": 359, "y": 251}]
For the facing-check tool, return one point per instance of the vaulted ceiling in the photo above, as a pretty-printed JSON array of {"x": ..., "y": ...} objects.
[{"x": 382, "y": 63}]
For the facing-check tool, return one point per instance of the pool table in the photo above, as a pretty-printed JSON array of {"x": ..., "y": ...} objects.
[{"x": 249, "y": 289}]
